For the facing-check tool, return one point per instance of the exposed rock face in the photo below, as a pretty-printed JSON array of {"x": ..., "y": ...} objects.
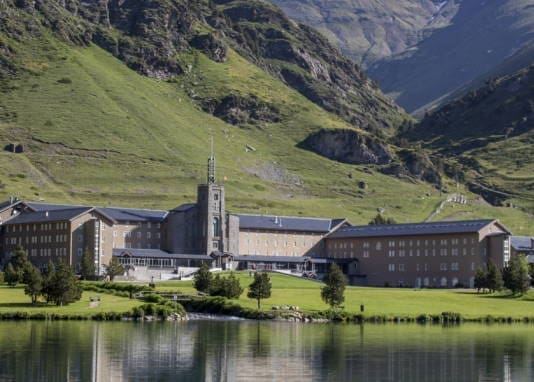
[
  {"x": 416, "y": 165},
  {"x": 211, "y": 46},
  {"x": 347, "y": 146},
  {"x": 148, "y": 36},
  {"x": 240, "y": 110}
]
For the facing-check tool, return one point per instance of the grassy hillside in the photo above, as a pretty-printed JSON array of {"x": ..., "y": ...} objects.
[
  {"x": 488, "y": 133},
  {"x": 95, "y": 131}
]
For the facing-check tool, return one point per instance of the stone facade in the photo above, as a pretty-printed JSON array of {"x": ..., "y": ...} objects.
[{"x": 423, "y": 259}]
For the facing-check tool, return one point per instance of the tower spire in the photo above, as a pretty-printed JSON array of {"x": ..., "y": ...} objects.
[{"x": 211, "y": 164}]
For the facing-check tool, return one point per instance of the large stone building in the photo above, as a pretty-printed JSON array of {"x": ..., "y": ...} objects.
[
  {"x": 437, "y": 254},
  {"x": 441, "y": 254}
]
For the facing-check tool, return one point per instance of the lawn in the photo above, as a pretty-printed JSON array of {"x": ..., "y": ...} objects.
[
  {"x": 288, "y": 290},
  {"x": 14, "y": 300}
]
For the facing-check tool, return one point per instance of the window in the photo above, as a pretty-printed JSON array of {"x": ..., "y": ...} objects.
[
  {"x": 149, "y": 235},
  {"x": 365, "y": 253},
  {"x": 79, "y": 251},
  {"x": 391, "y": 253},
  {"x": 455, "y": 267},
  {"x": 365, "y": 244},
  {"x": 391, "y": 267},
  {"x": 454, "y": 252},
  {"x": 139, "y": 234},
  {"x": 391, "y": 243},
  {"x": 443, "y": 252},
  {"x": 148, "y": 225},
  {"x": 158, "y": 235},
  {"x": 216, "y": 197},
  {"x": 443, "y": 267},
  {"x": 114, "y": 233},
  {"x": 402, "y": 253},
  {"x": 401, "y": 267},
  {"x": 215, "y": 245},
  {"x": 216, "y": 226},
  {"x": 417, "y": 267},
  {"x": 378, "y": 245}
]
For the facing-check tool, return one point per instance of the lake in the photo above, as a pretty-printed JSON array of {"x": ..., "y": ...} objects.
[{"x": 210, "y": 350}]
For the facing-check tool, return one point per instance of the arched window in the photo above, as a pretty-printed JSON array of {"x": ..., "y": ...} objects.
[
  {"x": 216, "y": 226},
  {"x": 443, "y": 282}
]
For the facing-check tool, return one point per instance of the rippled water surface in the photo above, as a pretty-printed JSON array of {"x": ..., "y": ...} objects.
[{"x": 211, "y": 350}]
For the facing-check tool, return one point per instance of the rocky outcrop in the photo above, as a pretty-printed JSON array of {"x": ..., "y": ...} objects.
[
  {"x": 241, "y": 110},
  {"x": 416, "y": 165},
  {"x": 211, "y": 46},
  {"x": 347, "y": 146}
]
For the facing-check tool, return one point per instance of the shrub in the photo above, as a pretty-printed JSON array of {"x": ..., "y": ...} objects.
[{"x": 154, "y": 298}]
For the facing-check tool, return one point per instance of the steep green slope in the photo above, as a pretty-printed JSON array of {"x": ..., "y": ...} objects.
[
  {"x": 95, "y": 131},
  {"x": 489, "y": 133}
]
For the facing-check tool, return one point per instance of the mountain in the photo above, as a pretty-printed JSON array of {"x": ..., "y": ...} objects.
[
  {"x": 114, "y": 102},
  {"x": 421, "y": 50},
  {"x": 488, "y": 135},
  {"x": 369, "y": 31}
]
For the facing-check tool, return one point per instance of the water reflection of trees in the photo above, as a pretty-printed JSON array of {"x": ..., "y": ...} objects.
[{"x": 225, "y": 351}]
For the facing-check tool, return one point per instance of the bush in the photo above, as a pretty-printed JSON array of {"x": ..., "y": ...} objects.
[{"x": 154, "y": 298}]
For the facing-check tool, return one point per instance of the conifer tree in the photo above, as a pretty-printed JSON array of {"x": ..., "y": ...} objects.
[
  {"x": 12, "y": 277},
  {"x": 203, "y": 279},
  {"x": 88, "y": 265},
  {"x": 114, "y": 268},
  {"x": 333, "y": 292},
  {"x": 48, "y": 279},
  {"x": 260, "y": 288},
  {"x": 494, "y": 281},
  {"x": 516, "y": 276},
  {"x": 64, "y": 287},
  {"x": 33, "y": 281}
]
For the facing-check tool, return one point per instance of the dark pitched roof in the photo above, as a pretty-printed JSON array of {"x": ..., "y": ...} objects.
[
  {"x": 433, "y": 228},
  {"x": 134, "y": 215},
  {"x": 157, "y": 254},
  {"x": 115, "y": 213},
  {"x": 285, "y": 223},
  {"x": 49, "y": 216},
  {"x": 522, "y": 243}
]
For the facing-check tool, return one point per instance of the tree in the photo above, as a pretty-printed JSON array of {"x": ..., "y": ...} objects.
[
  {"x": 12, "y": 276},
  {"x": 64, "y": 287},
  {"x": 531, "y": 273},
  {"x": 203, "y": 279},
  {"x": 18, "y": 263},
  {"x": 494, "y": 279},
  {"x": 114, "y": 268},
  {"x": 19, "y": 258},
  {"x": 88, "y": 265},
  {"x": 380, "y": 220},
  {"x": 228, "y": 287},
  {"x": 34, "y": 282},
  {"x": 516, "y": 274},
  {"x": 481, "y": 282},
  {"x": 260, "y": 288},
  {"x": 333, "y": 292},
  {"x": 48, "y": 279}
]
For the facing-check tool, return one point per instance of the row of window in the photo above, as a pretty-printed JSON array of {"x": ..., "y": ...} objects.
[
  {"x": 35, "y": 227},
  {"x": 401, "y": 243},
  {"x": 424, "y": 267},
  {"x": 138, "y": 234},
  {"x": 37, "y": 239},
  {"x": 48, "y": 252},
  {"x": 286, "y": 243}
]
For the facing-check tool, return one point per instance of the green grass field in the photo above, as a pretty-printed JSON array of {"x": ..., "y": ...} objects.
[
  {"x": 391, "y": 302},
  {"x": 14, "y": 300}
]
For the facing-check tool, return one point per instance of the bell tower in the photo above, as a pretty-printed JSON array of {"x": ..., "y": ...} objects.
[{"x": 211, "y": 208}]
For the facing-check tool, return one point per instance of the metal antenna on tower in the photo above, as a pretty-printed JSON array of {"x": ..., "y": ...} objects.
[{"x": 211, "y": 164}]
